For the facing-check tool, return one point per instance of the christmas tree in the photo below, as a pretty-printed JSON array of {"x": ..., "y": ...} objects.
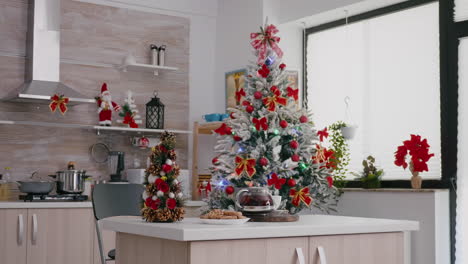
[
  {"x": 269, "y": 142},
  {"x": 130, "y": 112},
  {"x": 163, "y": 195}
]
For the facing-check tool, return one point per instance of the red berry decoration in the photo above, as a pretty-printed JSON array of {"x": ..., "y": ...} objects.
[
  {"x": 295, "y": 158},
  {"x": 231, "y": 115},
  {"x": 258, "y": 95},
  {"x": 303, "y": 119},
  {"x": 249, "y": 109},
  {"x": 229, "y": 190},
  {"x": 283, "y": 124},
  {"x": 291, "y": 182},
  {"x": 282, "y": 66},
  {"x": 263, "y": 161},
  {"x": 215, "y": 161},
  {"x": 237, "y": 138},
  {"x": 293, "y": 144}
]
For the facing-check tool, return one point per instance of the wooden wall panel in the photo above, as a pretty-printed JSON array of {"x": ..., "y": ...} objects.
[{"x": 90, "y": 35}]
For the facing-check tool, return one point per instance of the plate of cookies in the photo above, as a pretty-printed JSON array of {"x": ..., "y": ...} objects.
[{"x": 222, "y": 217}]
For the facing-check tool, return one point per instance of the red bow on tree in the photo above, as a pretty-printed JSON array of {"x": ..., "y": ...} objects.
[
  {"x": 129, "y": 120},
  {"x": 278, "y": 182},
  {"x": 60, "y": 102},
  {"x": 245, "y": 165},
  {"x": 272, "y": 101},
  {"x": 261, "y": 40},
  {"x": 264, "y": 71},
  {"x": 260, "y": 123},
  {"x": 322, "y": 134},
  {"x": 324, "y": 156},
  {"x": 293, "y": 93},
  {"x": 299, "y": 196},
  {"x": 223, "y": 130},
  {"x": 240, "y": 94}
]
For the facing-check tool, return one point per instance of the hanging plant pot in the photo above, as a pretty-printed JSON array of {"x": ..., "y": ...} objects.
[{"x": 348, "y": 132}]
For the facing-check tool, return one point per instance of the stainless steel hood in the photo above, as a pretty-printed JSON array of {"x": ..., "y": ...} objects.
[{"x": 43, "y": 58}]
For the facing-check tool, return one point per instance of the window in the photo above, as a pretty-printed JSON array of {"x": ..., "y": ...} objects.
[
  {"x": 461, "y": 10},
  {"x": 462, "y": 182},
  {"x": 389, "y": 67}
]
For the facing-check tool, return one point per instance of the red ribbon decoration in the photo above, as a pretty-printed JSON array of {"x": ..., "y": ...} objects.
[
  {"x": 272, "y": 101},
  {"x": 299, "y": 196},
  {"x": 260, "y": 123},
  {"x": 240, "y": 94},
  {"x": 245, "y": 165},
  {"x": 293, "y": 93},
  {"x": 278, "y": 182},
  {"x": 223, "y": 130},
  {"x": 60, "y": 102},
  {"x": 129, "y": 120},
  {"x": 261, "y": 40}
]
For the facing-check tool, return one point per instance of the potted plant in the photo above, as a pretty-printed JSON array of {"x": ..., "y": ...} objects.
[
  {"x": 341, "y": 158},
  {"x": 347, "y": 131},
  {"x": 419, "y": 151},
  {"x": 370, "y": 176}
]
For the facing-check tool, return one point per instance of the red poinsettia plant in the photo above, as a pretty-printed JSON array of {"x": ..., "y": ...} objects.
[{"x": 418, "y": 150}]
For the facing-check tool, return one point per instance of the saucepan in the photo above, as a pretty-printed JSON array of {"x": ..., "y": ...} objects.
[
  {"x": 35, "y": 186},
  {"x": 70, "y": 181}
]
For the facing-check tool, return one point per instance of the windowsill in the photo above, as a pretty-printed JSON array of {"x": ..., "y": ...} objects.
[{"x": 391, "y": 190}]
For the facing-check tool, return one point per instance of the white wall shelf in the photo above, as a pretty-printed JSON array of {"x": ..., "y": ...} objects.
[
  {"x": 139, "y": 67},
  {"x": 92, "y": 127}
]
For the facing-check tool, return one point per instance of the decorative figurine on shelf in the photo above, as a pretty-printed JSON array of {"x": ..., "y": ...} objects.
[
  {"x": 155, "y": 113},
  {"x": 105, "y": 106},
  {"x": 163, "y": 197},
  {"x": 204, "y": 189},
  {"x": 130, "y": 112}
]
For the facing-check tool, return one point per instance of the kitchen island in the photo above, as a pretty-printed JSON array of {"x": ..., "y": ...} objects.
[{"x": 323, "y": 239}]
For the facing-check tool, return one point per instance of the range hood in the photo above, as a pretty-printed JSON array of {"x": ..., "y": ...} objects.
[{"x": 43, "y": 58}]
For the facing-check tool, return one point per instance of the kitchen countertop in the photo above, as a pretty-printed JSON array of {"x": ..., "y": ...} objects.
[
  {"x": 21, "y": 205},
  {"x": 85, "y": 204},
  {"x": 190, "y": 229}
]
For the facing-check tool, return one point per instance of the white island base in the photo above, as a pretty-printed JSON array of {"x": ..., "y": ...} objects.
[{"x": 314, "y": 239}]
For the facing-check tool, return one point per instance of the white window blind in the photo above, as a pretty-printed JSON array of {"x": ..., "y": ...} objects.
[
  {"x": 462, "y": 174},
  {"x": 461, "y": 10},
  {"x": 389, "y": 67}
]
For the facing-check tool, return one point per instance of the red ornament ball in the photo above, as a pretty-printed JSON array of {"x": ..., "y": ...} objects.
[
  {"x": 283, "y": 124},
  {"x": 171, "y": 203},
  {"x": 295, "y": 158},
  {"x": 303, "y": 119},
  {"x": 282, "y": 66},
  {"x": 229, "y": 190},
  {"x": 258, "y": 95},
  {"x": 249, "y": 109},
  {"x": 215, "y": 161},
  {"x": 263, "y": 161},
  {"x": 291, "y": 182},
  {"x": 293, "y": 144},
  {"x": 231, "y": 115}
]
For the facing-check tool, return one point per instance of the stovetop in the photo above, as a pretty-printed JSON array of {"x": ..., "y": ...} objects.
[{"x": 53, "y": 197}]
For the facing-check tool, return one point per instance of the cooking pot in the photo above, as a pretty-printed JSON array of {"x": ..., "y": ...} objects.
[
  {"x": 70, "y": 181},
  {"x": 35, "y": 187}
]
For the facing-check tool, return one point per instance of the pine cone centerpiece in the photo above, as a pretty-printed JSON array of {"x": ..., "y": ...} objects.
[{"x": 163, "y": 195}]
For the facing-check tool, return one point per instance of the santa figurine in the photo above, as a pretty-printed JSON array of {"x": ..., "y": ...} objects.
[{"x": 105, "y": 106}]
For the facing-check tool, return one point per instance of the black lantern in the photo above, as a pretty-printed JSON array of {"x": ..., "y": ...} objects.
[{"x": 155, "y": 113}]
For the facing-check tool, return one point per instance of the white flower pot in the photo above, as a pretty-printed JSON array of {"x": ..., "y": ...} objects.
[{"x": 348, "y": 132}]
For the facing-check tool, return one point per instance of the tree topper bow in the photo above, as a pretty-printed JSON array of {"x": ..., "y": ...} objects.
[{"x": 266, "y": 37}]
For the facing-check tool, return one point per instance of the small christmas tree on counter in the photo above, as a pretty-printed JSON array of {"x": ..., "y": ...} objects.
[
  {"x": 163, "y": 195},
  {"x": 267, "y": 142}
]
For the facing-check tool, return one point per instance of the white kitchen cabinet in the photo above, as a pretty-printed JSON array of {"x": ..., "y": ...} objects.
[
  {"x": 13, "y": 236},
  {"x": 57, "y": 236},
  {"x": 382, "y": 248}
]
